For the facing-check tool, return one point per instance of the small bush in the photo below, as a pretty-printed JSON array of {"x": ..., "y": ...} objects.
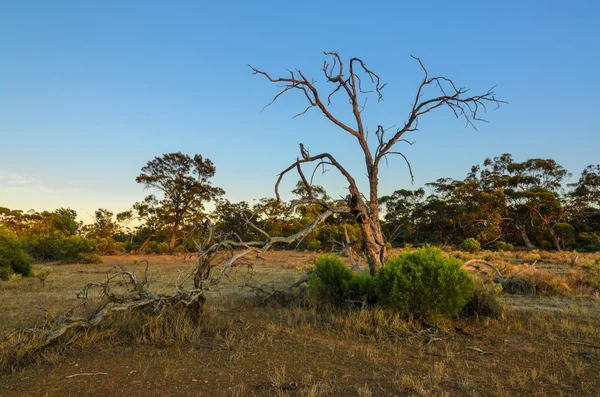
[
  {"x": 484, "y": 302},
  {"x": 163, "y": 248},
  {"x": 88, "y": 259},
  {"x": 471, "y": 245},
  {"x": 334, "y": 282},
  {"x": 180, "y": 249},
  {"x": 43, "y": 274},
  {"x": 503, "y": 246},
  {"x": 12, "y": 257},
  {"x": 314, "y": 245},
  {"x": 15, "y": 277},
  {"x": 388, "y": 246},
  {"x": 424, "y": 282}
]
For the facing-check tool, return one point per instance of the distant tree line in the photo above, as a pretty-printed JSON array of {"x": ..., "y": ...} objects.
[{"x": 500, "y": 203}]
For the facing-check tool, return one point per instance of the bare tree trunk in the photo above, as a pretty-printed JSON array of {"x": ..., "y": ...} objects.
[
  {"x": 555, "y": 239},
  {"x": 526, "y": 240},
  {"x": 146, "y": 241},
  {"x": 173, "y": 236},
  {"x": 373, "y": 244}
]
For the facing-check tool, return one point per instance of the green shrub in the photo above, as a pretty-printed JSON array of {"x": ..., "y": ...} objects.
[
  {"x": 87, "y": 258},
  {"x": 12, "y": 257},
  {"x": 388, "y": 246},
  {"x": 484, "y": 302},
  {"x": 471, "y": 245},
  {"x": 588, "y": 241},
  {"x": 180, "y": 249},
  {"x": 71, "y": 248},
  {"x": 163, "y": 248},
  {"x": 424, "y": 282},
  {"x": 334, "y": 282},
  {"x": 57, "y": 247},
  {"x": 503, "y": 246},
  {"x": 314, "y": 245}
]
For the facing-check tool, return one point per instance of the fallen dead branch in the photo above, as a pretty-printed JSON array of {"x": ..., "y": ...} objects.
[
  {"x": 478, "y": 350},
  {"x": 586, "y": 344},
  {"x": 86, "y": 374},
  {"x": 506, "y": 282}
]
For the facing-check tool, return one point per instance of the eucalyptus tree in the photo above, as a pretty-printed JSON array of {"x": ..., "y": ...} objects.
[{"x": 185, "y": 184}]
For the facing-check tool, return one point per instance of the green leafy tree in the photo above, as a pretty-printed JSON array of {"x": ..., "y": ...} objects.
[{"x": 185, "y": 184}]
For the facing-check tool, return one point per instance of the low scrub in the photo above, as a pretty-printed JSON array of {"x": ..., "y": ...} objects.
[
  {"x": 471, "y": 245},
  {"x": 57, "y": 247},
  {"x": 333, "y": 282},
  {"x": 422, "y": 282},
  {"x": 13, "y": 260}
]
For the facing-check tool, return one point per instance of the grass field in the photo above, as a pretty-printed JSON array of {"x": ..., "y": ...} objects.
[{"x": 547, "y": 342}]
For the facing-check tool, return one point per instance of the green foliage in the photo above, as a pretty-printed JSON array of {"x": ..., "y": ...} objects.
[
  {"x": 57, "y": 247},
  {"x": 15, "y": 277},
  {"x": 503, "y": 246},
  {"x": 424, "y": 282},
  {"x": 87, "y": 258},
  {"x": 185, "y": 182},
  {"x": 180, "y": 249},
  {"x": 334, "y": 282},
  {"x": 163, "y": 248},
  {"x": 314, "y": 245},
  {"x": 471, "y": 245},
  {"x": 12, "y": 257},
  {"x": 484, "y": 302},
  {"x": 388, "y": 246},
  {"x": 588, "y": 241}
]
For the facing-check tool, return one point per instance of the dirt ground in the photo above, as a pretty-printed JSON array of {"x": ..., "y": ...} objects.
[{"x": 542, "y": 346}]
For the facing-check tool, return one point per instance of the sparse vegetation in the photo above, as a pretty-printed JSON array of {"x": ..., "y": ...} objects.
[{"x": 324, "y": 348}]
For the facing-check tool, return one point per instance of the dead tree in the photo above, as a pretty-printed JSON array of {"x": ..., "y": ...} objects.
[{"x": 355, "y": 82}]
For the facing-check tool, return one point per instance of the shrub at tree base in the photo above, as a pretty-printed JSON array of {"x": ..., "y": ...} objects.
[
  {"x": 471, "y": 245},
  {"x": 12, "y": 257},
  {"x": 334, "y": 282},
  {"x": 424, "y": 282}
]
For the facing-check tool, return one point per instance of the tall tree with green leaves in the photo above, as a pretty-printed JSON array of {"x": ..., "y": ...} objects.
[{"x": 185, "y": 185}]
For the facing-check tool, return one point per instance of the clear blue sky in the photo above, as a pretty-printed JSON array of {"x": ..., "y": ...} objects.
[{"x": 92, "y": 90}]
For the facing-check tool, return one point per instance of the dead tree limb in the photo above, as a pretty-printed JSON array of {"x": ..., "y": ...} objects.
[{"x": 354, "y": 81}]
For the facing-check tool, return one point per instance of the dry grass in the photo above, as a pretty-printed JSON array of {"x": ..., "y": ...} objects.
[{"x": 543, "y": 345}]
